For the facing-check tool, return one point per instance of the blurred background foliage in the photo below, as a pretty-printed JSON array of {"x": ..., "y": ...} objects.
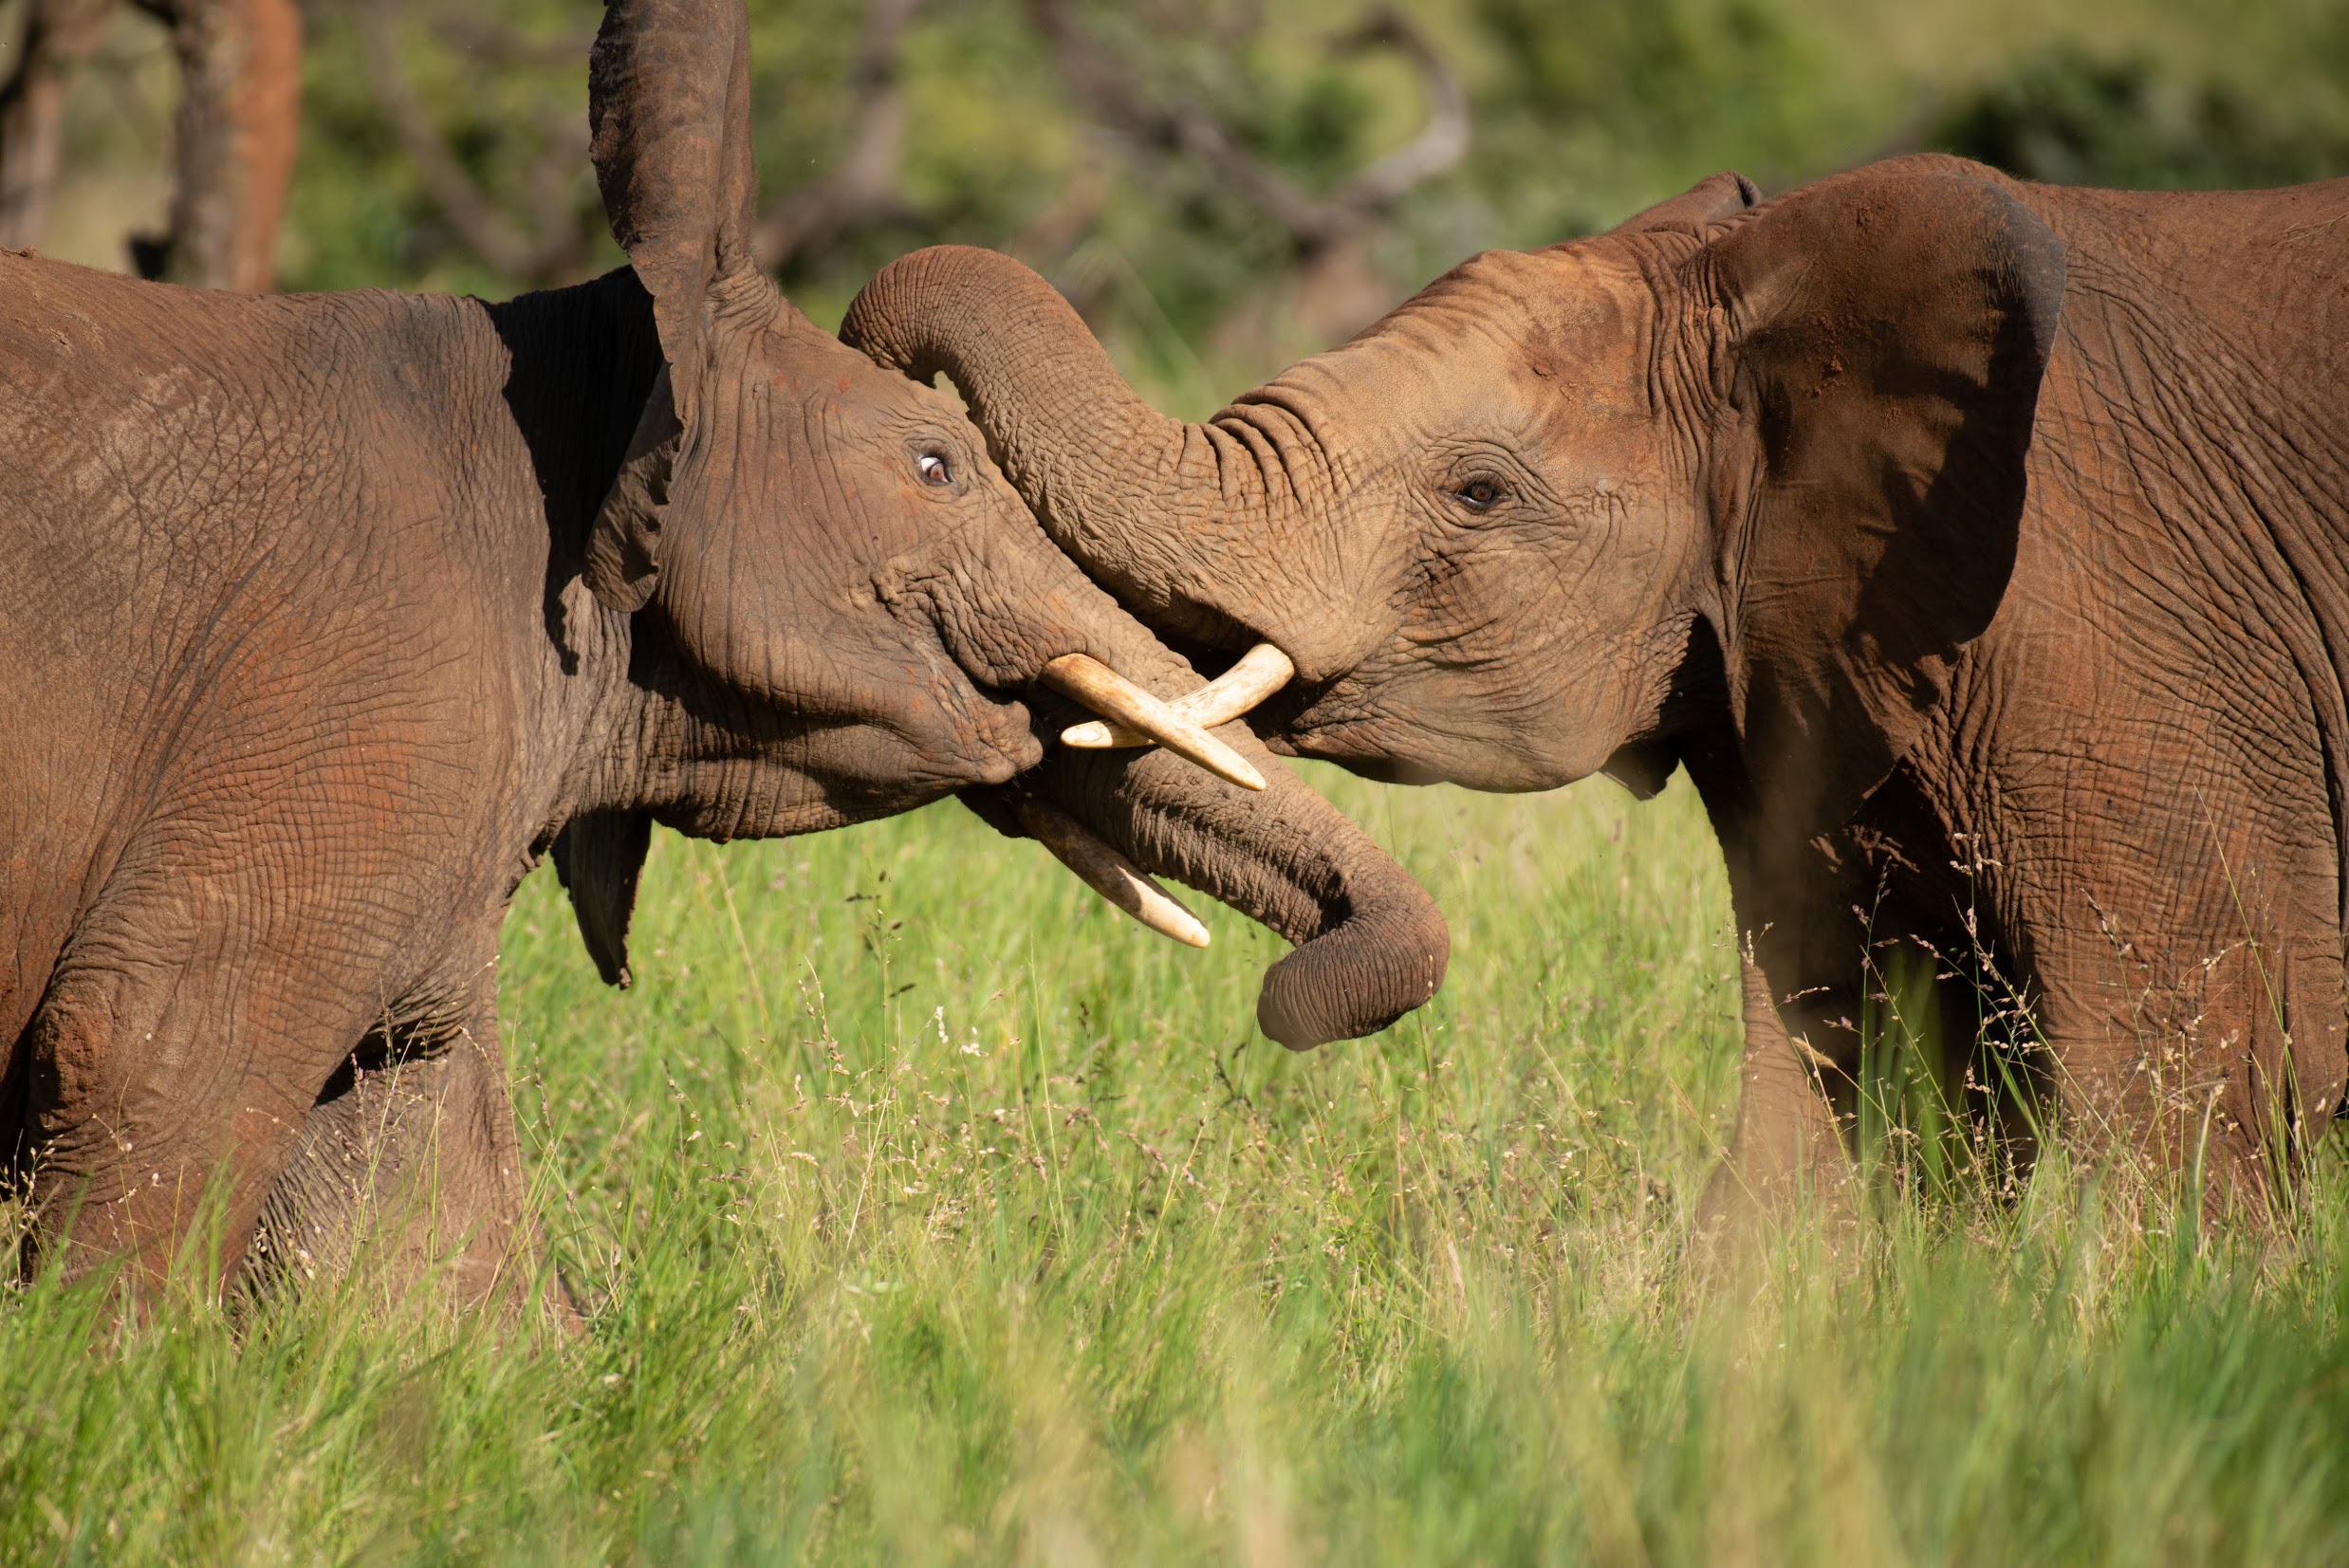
[{"x": 1219, "y": 184}]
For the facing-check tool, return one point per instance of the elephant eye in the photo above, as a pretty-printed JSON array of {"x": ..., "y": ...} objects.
[
  {"x": 1480, "y": 494},
  {"x": 933, "y": 469}
]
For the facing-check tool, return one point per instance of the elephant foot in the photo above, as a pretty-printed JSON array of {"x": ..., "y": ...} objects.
[{"x": 1749, "y": 1208}]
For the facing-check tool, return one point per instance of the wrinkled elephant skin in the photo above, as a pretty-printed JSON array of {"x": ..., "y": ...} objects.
[
  {"x": 1981, "y": 550},
  {"x": 333, "y": 615}
]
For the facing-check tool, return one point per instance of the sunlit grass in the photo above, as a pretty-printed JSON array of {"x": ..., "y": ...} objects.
[{"x": 929, "y": 1212}]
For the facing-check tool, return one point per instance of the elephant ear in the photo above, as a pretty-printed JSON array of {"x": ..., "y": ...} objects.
[
  {"x": 1886, "y": 331},
  {"x": 599, "y": 855},
  {"x": 669, "y": 117}
]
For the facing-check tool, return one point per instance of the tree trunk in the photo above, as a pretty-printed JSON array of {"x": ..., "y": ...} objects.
[
  {"x": 240, "y": 108},
  {"x": 58, "y": 33}
]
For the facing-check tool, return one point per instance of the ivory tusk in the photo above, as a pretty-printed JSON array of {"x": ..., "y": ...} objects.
[
  {"x": 1112, "y": 696},
  {"x": 1110, "y": 874},
  {"x": 1262, "y": 671}
]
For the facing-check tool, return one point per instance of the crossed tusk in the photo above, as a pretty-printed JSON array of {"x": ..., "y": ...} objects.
[
  {"x": 1116, "y": 698},
  {"x": 1262, "y": 671},
  {"x": 1110, "y": 874}
]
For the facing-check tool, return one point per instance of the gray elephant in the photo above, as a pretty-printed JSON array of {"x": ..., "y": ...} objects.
[
  {"x": 333, "y": 615},
  {"x": 1981, "y": 550}
]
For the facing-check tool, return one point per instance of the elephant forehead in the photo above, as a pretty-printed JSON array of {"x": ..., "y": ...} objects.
[
  {"x": 1375, "y": 401},
  {"x": 1514, "y": 300},
  {"x": 1489, "y": 348}
]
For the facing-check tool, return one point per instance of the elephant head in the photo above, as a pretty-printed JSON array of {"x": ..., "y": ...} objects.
[
  {"x": 838, "y": 604},
  {"x": 1764, "y": 458}
]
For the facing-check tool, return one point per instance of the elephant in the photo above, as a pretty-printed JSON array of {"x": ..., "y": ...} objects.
[
  {"x": 1979, "y": 549},
  {"x": 335, "y": 614}
]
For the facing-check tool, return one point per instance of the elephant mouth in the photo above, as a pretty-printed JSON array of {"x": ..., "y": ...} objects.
[
  {"x": 1294, "y": 718},
  {"x": 1375, "y": 767},
  {"x": 1132, "y": 717},
  {"x": 1334, "y": 720},
  {"x": 1357, "y": 725},
  {"x": 1254, "y": 678},
  {"x": 1362, "y": 747}
]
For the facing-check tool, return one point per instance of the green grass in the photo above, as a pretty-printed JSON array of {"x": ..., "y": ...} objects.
[{"x": 929, "y": 1212}]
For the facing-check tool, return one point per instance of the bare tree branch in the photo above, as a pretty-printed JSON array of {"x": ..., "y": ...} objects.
[
  {"x": 1440, "y": 144},
  {"x": 1117, "y": 97},
  {"x": 560, "y": 245},
  {"x": 58, "y": 34},
  {"x": 863, "y": 191},
  {"x": 1075, "y": 210},
  {"x": 486, "y": 230}
]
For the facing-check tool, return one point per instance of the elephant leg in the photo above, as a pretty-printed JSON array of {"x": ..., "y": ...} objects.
[
  {"x": 171, "y": 1065},
  {"x": 1788, "y": 1147},
  {"x": 408, "y": 1164},
  {"x": 2221, "y": 1068}
]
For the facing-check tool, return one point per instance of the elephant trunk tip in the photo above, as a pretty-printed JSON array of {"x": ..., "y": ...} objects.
[{"x": 1356, "y": 979}]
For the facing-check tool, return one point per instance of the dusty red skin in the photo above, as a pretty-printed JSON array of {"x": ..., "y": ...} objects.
[
  {"x": 335, "y": 613},
  {"x": 1981, "y": 548}
]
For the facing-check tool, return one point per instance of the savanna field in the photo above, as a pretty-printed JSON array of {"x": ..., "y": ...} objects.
[{"x": 927, "y": 1211}]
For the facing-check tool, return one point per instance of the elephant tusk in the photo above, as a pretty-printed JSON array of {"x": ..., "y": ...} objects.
[
  {"x": 1112, "y": 696},
  {"x": 1262, "y": 671},
  {"x": 1110, "y": 874}
]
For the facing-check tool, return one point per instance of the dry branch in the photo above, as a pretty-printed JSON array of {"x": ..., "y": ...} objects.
[
  {"x": 863, "y": 191},
  {"x": 556, "y": 243},
  {"x": 1166, "y": 123}
]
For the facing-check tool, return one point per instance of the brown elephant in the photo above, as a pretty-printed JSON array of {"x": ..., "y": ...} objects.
[
  {"x": 334, "y": 614},
  {"x": 1980, "y": 548}
]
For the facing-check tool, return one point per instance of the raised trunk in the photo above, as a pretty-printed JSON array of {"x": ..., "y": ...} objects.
[{"x": 1173, "y": 518}]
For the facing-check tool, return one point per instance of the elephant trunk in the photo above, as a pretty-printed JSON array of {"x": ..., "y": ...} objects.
[
  {"x": 1176, "y": 519},
  {"x": 1371, "y": 944}
]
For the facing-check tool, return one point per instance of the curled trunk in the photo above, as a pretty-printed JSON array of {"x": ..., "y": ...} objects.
[
  {"x": 1176, "y": 519},
  {"x": 1371, "y": 944},
  {"x": 1180, "y": 522}
]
